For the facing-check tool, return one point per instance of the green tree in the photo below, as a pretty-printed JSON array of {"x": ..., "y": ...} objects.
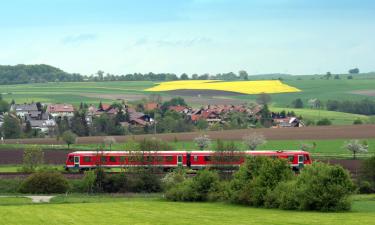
[
  {"x": 11, "y": 126},
  {"x": 263, "y": 99},
  {"x": 184, "y": 76},
  {"x": 354, "y": 71},
  {"x": 33, "y": 157},
  {"x": 4, "y": 106},
  {"x": 297, "y": 103},
  {"x": 202, "y": 124},
  {"x": 69, "y": 138},
  {"x": 243, "y": 75},
  {"x": 28, "y": 127},
  {"x": 79, "y": 124}
]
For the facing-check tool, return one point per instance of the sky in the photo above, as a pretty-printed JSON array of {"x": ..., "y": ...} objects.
[{"x": 190, "y": 36}]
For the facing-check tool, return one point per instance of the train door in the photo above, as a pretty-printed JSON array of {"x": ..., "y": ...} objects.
[
  {"x": 188, "y": 160},
  {"x": 300, "y": 161},
  {"x": 179, "y": 160},
  {"x": 76, "y": 161}
]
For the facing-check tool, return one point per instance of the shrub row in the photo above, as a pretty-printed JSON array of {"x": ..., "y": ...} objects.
[{"x": 267, "y": 182}]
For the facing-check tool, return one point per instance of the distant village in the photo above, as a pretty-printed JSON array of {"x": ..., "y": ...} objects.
[{"x": 41, "y": 120}]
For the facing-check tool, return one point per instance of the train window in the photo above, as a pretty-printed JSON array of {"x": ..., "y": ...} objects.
[
  {"x": 290, "y": 158},
  {"x": 103, "y": 159},
  {"x": 71, "y": 159},
  {"x": 87, "y": 159},
  {"x": 195, "y": 158},
  {"x": 133, "y": 158},
  {"x": 159, "y": 158},
  {"x": 122, "y": 158},
  {"x": 207, "y": 158},
  {"x": 169, "y": 158},
  {"x": 306, "y": 157},
  {"x": 112, "y": 159},
  {"x": 150, "y": 158}
]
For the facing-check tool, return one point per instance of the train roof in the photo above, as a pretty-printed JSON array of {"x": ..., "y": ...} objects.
[{"x": 192, "y": 152}]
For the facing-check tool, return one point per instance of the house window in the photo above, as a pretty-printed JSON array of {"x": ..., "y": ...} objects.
[
  {"x": 169, "y": 158},
  {"x": 112, "y": 159},
  {"x": 87, "y": 159}
]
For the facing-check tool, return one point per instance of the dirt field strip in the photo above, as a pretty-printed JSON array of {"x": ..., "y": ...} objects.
[{"x": 302, "y": 133}]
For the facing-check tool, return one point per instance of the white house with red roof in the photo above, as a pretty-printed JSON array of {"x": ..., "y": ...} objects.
[{"x": 60, "y": 110}]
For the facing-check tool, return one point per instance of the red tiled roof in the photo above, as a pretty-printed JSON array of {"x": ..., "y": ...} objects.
[
  {"x": 177, "y": 108},
  {"x": 105, "y": 106},
  {"x": 55, "y": 108},
  {"x": 195, "y": 117},
  {"x": 151, "y": 106}
]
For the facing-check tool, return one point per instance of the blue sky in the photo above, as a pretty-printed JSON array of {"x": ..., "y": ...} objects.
[{"x": 193, "y": 36}]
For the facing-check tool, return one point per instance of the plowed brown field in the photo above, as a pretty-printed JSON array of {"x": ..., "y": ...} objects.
[{"x": 303, "y": 133}]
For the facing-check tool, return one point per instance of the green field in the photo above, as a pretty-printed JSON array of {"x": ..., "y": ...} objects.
[
  {"x": 323, "y": 148},
  {"x": 93, "y": 92},
  {"x": 153, "y": 210},
  {"x": 337, "y": 118}
]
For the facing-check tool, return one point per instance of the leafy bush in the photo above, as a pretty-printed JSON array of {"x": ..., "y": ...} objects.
[
  {"x": 324, "y": 122},
  {"x": 283, "y": 196},
  {"x": 172, "y": 179},
  {"x": 200, "y": 188},
  {"x": 320, "y": 187},
  {"x": 44, "y": 183},
  {"x": 368, "y": 172},
  {"x": 9, "y": 185},
  {"x": 357, "y": 121},
  {"x": 256, "y": 177},
  {"x": 142, "y": 181},
  {"x": 366, "y": 187}
]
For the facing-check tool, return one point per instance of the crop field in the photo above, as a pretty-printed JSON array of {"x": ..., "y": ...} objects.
[
  {"x": 83, "y": 209},
  {"x": 216, "y": 92},
  {"x": 75, "y": 92},
  {"x": 242, "y": 87}
]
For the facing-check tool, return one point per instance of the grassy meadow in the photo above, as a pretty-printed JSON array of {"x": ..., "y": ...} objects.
[
  {"x": 83, "y": 209},
  {"x": 323, "y": 148}
]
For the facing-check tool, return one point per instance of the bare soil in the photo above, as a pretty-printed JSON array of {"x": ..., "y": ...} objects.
[{"x": 365, "y": 92}]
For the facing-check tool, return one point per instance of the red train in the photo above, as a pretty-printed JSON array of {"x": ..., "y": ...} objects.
[{"x": 171, "y": 159}]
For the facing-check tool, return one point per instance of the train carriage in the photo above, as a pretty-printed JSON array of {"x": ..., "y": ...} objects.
[{"x": 171, "y": 159}]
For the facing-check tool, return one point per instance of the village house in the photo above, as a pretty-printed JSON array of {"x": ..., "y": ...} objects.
[
  {"x": 287, "y": 122},
  {"x": 60, "y": 110},
  {"x": 23, "y": 110},
  {"x": 43, "y": 125}
]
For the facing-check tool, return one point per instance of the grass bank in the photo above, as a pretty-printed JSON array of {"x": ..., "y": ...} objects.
[{"x": 80, "y": 209}]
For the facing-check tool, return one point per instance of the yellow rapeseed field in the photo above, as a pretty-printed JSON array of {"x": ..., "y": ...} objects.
[{"x": 243, "y": 87}]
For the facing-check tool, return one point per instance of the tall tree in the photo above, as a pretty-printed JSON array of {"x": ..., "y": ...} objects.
[
  {"x": 11, "y": 127},
  {"x": 263, "y": 99}
]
